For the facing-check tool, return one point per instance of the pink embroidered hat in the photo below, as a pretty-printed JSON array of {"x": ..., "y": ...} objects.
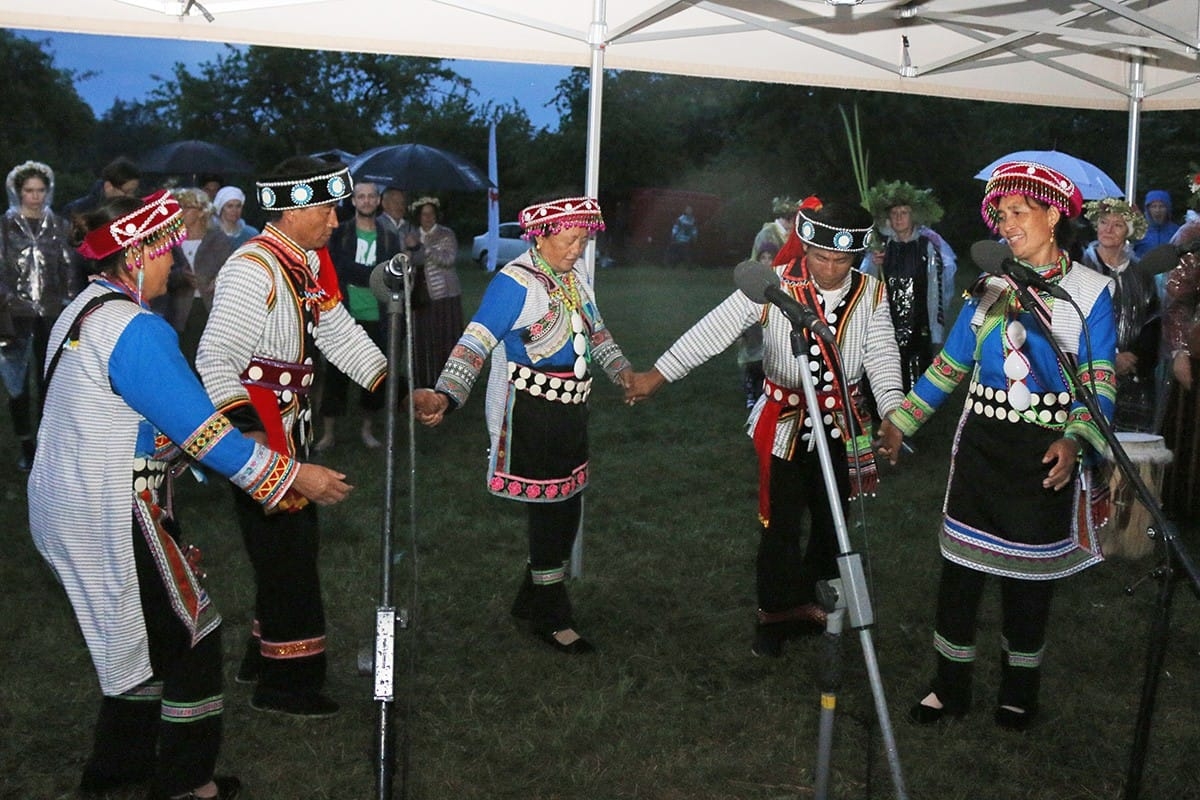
[
  {"x": 545, "y": 219},
  {"x": 1034, "y": 180},
  {"x": 160, "y": 219}
]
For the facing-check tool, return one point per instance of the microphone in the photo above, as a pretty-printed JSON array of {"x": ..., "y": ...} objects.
[
  {"x": 997, "y": 259},
  {"x": 1165, "y": 257},
  {"x": 760, "y": 283},
  {"x": 390, "y": 277}
]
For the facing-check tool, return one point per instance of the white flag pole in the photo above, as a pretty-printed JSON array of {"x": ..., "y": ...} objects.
[{"x": 493, "y": 209}]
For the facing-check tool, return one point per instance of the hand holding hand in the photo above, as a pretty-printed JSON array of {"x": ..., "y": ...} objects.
[
  {"x": 640, "y": 385},
  {"x": 888, "y": 441},
  {"x": 321, "y": 485},
  {"x": 1126, "y": 363},
  {"x": 429, "y": 406}
]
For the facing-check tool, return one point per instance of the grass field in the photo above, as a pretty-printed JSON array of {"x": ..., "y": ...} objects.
[{"x": 674, "y": 706}]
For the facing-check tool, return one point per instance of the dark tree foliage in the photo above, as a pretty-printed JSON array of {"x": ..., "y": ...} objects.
[
  {"x": 270, "y": 103},
  {"x": 749, "y": 142},
  {"x": 44, "y": 117}
]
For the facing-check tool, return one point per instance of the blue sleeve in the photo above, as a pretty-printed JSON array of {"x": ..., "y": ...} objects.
[
  {"x": 501, "y": 305},
  {"x": 1101, "y": 330},
  {"x": 151, "y": 375}
]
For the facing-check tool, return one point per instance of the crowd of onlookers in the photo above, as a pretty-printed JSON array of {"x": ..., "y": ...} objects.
[{"x": 40, "y": 272}]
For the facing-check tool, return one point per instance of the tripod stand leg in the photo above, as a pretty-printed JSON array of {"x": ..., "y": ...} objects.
[
  {"x": 1156, "y": 653},
  {"x": 830, "y": 681}
]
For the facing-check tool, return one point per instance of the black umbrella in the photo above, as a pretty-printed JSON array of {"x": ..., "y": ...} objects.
[
  {"x": 418, "y": 166},
  {"x": 192, "y": 157},
  {"x": 333, "y": 155}
]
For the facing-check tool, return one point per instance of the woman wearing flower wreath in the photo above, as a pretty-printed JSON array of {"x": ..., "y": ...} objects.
[
  {"x": 917, "y": 266},
  {"x": 123, "y": 413},
  {"x": 1139, "y": 325},
  {"x": 1016, "y": 503},
  {"x": 437, "y": 300},
  {"x": 539, "y": 322}
]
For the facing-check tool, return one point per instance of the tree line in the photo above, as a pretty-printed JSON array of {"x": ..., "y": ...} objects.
[{"x": 743, "y": 141}]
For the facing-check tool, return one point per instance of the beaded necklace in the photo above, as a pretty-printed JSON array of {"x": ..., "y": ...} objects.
[
  {"x": 566, "y": 292},
  {"x": 1017, "y": 366}
]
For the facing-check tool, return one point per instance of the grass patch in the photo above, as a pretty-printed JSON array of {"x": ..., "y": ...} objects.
[{"x": 674, "y": 706}]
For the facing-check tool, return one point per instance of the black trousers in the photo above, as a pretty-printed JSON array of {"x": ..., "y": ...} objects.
[
  {"x": 787, "y": 577},
  {"x": 552, "y": 530},
  {"x": 20, "y": 407},
  {"x": 1025, "y": 608},
  {"x": 283, "y": 550},
  {"x": 168, "y": 728}
]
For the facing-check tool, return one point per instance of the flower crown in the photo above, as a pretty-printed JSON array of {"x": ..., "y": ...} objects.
[
  {"x": 1135, "y": 222},
  {"x": 416, "y": 205}
]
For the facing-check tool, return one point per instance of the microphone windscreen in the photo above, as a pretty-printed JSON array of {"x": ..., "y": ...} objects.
[
  {"x": 989, "y": 254},
  {"x": 754, "y": 278},
  {"x": 1158, "y": 260},
  {"x": 379, "y": 283}
]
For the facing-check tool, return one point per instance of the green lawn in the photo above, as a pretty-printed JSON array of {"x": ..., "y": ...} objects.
[{"x": 674, "y": 706}]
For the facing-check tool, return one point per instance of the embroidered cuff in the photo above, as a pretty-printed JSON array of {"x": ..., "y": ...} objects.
[{"x": 267, "y": 476}]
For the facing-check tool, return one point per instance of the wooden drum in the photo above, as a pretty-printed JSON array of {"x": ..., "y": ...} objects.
[{"x": 1124, "y": 535}]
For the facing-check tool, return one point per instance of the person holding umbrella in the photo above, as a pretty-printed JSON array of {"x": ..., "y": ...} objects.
[
  {"x": 100, "y": 507},
  {"x": 437, "y": 297},
  {"x": 1017, "y": 503}
]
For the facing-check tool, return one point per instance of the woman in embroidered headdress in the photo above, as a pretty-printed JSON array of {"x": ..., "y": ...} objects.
[
  {"x": 123, "y": 413},
  {"x": 437, "y": 312},
  {"x": 1017, "y": 490},
  {"x": 539, "y": 322},
  {"x": 793, "y": 503},
  {"x": 36, "y": 280},
  {"x": 1139, "y": 326}
]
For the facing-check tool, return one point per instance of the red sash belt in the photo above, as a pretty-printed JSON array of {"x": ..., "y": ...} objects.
[{"x": 783, "y": 402}]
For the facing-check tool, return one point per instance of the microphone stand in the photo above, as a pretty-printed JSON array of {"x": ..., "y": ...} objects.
[
  {"x": 1176, "y": 557},
  {"x": 850, "y": 596},
  {"x": 387, "y": 617}
]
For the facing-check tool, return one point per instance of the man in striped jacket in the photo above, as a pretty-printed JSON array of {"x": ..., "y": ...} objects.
[
  {"x": 816, "y": 269},
  {"x": 276, "y": 304}
]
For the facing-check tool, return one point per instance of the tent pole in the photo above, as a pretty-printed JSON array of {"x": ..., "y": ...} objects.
[
  {"x": 1137, "y": 93},
  {"x": 597, "y": 36}
]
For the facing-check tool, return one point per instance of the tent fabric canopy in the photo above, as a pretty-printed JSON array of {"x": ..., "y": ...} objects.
[{"x": 1059, "y": 52}]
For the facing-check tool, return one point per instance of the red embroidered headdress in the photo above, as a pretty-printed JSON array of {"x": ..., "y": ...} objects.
[
  {"x": 1034, "y": 180},
  {"x": 545, "y": 219},
  {"x": 158, "y": 223}
]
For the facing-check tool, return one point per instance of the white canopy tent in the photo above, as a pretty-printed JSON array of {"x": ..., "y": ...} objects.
[{"x": 1100, "y": 54}]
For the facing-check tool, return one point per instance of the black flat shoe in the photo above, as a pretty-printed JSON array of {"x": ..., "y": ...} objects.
[
  {"x": 768, "y": 641},
  {"x": 579, "y": 647},
  {"x": 1014, "y": 719},
  {"x": 922, "y": 714},
  {"x": 228, "y": 787},
  {"x": 311, "y": 705}
]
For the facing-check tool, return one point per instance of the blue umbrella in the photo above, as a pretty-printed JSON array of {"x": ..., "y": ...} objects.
[{"x": 1092, "y": 181}]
